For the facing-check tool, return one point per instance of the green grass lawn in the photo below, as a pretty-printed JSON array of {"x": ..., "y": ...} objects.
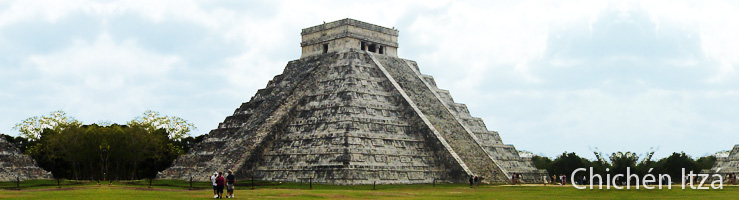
[{"x": 46, "y": 189}]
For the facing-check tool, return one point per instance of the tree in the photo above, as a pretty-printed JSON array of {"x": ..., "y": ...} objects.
[
  {"x": 176, "y": 127},
  {"x": 187, "y": 143},
  {"x": 93, "y": 152},
  {"x": 674, "y": 164},
  {"x": 567, "y": 163},
  {"x": 31, "y": 128},
  {"x": 620, "y": 161},
  {"x": 647, "y": 164},
  {"x": 541, "y": 162},
  {"x": 70, "y": 150},
  {"x": 706, "y": 162}
]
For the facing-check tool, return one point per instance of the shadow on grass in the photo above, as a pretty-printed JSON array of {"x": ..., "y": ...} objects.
[{"x": 42, "y": 183}]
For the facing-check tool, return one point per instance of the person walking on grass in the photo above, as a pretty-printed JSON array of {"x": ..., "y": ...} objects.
[
  {"x": 215, "y": 186},
  {"x": 472, "y": 178},
  {"x": 554, "y": 179},
  {"x": 563, "y": 179},
  {"x": 220, "y": 183},
  {"x": 477, "y": 181},
  {"x": 230, "y": 180}
]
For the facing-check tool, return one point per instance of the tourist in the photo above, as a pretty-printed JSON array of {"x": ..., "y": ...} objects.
[
  {"x": 230, "y": 179},
  {"x": 728, "y": 178},
  {"x": 564, "y": 179},
  {"x": 514, "y": 179},
  {"x": 477, "y": 180},
  {"x": 554, "y": 179},
  {"x": 519, "y": 178},
  {"x": 220, "y": 183},
  {"x": 472, "y": 179},
  {"x": 215, "y": 186}
]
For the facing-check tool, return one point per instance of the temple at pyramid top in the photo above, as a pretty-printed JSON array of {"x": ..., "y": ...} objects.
[{"x": 345, "y": 34}]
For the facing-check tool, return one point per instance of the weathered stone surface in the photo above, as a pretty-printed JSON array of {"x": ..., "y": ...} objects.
[
  {"x": 506, "y": 155},
  {"x": 14, "y": 163},
  {"x": 727, "y": 165},
  {"x": 348, "y": 34},
  {"x": 350, "y": 116}
]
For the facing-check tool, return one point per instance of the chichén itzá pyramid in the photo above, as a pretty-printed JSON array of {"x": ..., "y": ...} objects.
[{"x": 350, "y": 111}]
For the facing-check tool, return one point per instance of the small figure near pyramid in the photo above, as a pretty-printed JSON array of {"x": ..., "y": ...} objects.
[
  {"x": 349, "y": 111},
  {"x": 14, "y": 164}
]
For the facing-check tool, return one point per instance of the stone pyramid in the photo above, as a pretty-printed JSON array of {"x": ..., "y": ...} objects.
[
  {"x": 727, "y": 165},
  {"x": 14, "y": 164},
  {"x": 349, "y": 111}
]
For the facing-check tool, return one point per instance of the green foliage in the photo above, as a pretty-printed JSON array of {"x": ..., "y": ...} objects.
[
  {"x": 20, "y": 142},
  {"x": 620, "y": 161},
  {"x": 31, "y": 128},
  {"x": 97, "y": 152},
  {"x": 62, "y": 145},
  {"x": 176, "y": 127},
  {"x": 674, "y": 164},
  {"x": 567, "y": 163},
  {"x": 541, "y": 162},
  {"x": 187, "y": 143},
  {"x": 706, "y": 162}
]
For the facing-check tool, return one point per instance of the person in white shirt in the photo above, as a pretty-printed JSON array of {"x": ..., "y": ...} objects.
[{"x": 215, "y": 188}]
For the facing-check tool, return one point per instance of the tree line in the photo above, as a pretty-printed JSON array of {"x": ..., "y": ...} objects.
[
  {"x": 70, "y": 150},
  {"x": 619, "y": 162}
]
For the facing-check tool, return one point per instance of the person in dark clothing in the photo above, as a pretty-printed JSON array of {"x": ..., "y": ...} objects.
[
  {"x": 220, "y": 183},
  {"x": 230, "y": 179},
  {"x": 471, "y": 180},
  {"x": 477, "y": 180}
]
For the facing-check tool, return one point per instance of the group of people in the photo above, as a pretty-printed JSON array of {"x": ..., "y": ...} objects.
[
  {"x": 561, "y": 179},
  {"x": 731, "y": 178},
  {"x": 516, "y": 178},
  {"x": 219, "y": 182}
]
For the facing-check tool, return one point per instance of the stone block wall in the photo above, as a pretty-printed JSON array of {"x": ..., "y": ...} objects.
[
  {"x": 726, "y": 165},
  {"x": 506, "y": 156},
  {"x": 463, "y": 143},
  {"x": 14, "y": 163}
]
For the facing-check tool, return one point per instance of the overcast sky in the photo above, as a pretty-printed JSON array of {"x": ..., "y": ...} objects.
[{"x": 550, "y": 76}]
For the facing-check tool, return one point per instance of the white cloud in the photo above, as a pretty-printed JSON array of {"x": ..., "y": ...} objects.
[
  {"x": 97, "y": 79},
  {"x": 714, "y": 22}
]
